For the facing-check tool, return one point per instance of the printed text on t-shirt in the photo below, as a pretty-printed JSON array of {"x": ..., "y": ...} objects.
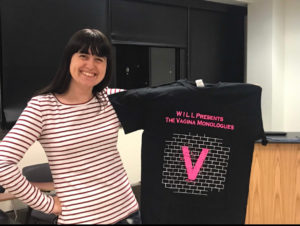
[{"x": 198, "y": 119}]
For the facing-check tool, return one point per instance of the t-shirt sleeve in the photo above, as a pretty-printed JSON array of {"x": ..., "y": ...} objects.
[
  {"x": 252, "y": 113},
  {"x": 130, "y": 108},
  {"x": 13, "y": 147}
]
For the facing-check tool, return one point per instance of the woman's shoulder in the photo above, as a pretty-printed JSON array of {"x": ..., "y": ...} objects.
[{"x": 42, "y": 98}]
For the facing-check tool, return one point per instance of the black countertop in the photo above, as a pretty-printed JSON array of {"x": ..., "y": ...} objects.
[{"x": 280, "y": 137}]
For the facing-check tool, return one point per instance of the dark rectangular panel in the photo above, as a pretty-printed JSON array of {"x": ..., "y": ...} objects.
[
  {"x": 162, "y": 66},
  {"x": 216, "y": 46},
  {"x": 132, "y": 66},
  {"x": 136, "y": 21}
]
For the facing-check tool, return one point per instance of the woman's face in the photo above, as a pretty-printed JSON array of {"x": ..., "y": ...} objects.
[{"x": 87, "y": 70}]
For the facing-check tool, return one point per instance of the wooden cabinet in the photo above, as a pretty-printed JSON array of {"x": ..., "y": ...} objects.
[{"x": 274, "y": 191}]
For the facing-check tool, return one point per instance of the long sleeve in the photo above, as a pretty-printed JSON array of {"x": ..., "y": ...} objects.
[
  {"x": 111, "y": 91},
  {"x": 25, "y": 132}
]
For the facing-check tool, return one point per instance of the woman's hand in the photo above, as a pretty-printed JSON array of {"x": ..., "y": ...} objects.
[{"x": 57, "y": 207}]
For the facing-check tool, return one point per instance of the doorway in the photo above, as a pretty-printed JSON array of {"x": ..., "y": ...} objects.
[{"x": 141, "y": 66}]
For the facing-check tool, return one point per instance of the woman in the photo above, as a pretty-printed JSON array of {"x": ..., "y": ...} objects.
[{"x": 75, "y": 123}]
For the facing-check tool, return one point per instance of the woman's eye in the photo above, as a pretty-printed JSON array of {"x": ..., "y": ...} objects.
[
  {"x": 82, "y": 56},
  {"x": 100, "y": 59}
]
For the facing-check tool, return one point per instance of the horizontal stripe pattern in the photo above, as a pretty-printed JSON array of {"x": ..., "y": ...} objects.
[{"x": 80, "y": 142}]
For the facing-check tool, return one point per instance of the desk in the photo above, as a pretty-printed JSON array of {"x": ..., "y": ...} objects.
[{"x": 274, "y": 190}]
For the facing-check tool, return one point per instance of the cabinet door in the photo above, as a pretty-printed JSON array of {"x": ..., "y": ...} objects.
[
  {"x": 132, "y": 66},
  {"x": 162, "y": 66},
  {"x": 216, "y": 46},
  {"x": 274, "y": 189},
  {"x": 138, "y": 21}
]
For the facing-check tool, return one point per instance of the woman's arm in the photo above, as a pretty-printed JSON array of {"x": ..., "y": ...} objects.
[
  {"x": 14, "y": 145},
  {"x": 44, "y": 186}
]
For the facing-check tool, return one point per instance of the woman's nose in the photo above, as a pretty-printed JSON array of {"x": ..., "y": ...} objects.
[{"x": 90, "y": 63}]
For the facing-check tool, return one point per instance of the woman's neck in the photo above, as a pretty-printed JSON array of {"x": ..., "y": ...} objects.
[{"x": 72, "y": 96}]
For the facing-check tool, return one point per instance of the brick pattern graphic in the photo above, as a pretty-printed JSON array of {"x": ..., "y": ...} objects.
[{"x": 211, "y": 176}]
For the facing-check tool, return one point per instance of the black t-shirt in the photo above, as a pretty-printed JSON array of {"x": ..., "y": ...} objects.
[{"x": 197, "y": 148}]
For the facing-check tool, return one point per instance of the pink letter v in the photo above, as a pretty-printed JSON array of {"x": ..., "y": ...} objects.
[{"x": 193, "y": 172}]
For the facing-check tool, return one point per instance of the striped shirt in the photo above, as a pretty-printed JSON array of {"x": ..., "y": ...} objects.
[{"x": 80, "y": 142}]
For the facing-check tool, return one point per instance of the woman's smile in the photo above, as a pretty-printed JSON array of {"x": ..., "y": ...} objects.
[{"x": 88, "y": 74}]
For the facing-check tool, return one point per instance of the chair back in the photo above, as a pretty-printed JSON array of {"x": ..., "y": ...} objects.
[{"x": 38, "y": 173}]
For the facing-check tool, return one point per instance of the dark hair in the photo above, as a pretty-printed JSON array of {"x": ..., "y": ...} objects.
[{"x": 81, "y": 41}]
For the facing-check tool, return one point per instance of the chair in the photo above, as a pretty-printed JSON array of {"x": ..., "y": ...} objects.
[
  {"x": 38, "y": 173},
  {"x": 4, "y": 218},
  {"x": 136, "y": 188}
]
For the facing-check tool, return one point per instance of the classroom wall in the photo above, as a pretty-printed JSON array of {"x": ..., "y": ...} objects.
[
  {"x": 273, "y": 53},
  {"x": 291, "y": 72}
]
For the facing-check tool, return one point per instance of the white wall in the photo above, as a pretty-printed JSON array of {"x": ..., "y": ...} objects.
[
  {"x": 273, "y": 53},
  {"x": 292, "y": 66},
  {"x": 278, "y": 88},
  {"x": 260, "y": 54},
  {"x": 129, "y": 147}
]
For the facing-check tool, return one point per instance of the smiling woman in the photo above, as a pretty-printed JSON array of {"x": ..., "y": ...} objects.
[
  {"x": 74, "y": 121},
  {"x": 87, "y": 71},
  {"x": 85, "y": 68}
]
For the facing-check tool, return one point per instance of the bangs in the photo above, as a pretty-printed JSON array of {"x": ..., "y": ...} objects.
[{"x": 96, "y": 46}]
